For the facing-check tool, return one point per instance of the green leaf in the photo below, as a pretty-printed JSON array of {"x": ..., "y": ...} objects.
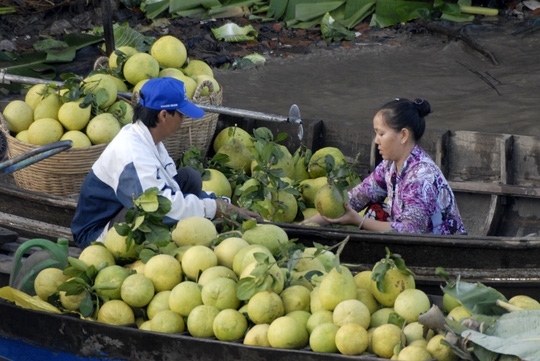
[
  {"x": 516, "y": 333},
  {"x": 246, "y": 288},
  {"x": 154, "y": 10},
  {"x": 277, "y": 8},
  {"x": 476, "y": 297},
  {"x": 86, "y": 306},
  {"x": 391, "y": 12},
  {"x": 333, "y": 30}
]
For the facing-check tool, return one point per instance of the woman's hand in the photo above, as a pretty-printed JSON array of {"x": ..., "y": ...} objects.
[
  {"x": 351, "y": 217},
  {"x": 315, "y": 219}
]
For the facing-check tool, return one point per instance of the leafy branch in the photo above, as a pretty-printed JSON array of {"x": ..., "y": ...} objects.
[{"x": 391, "y": 261}]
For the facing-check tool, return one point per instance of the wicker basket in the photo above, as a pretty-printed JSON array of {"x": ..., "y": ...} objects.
[{"x": 61, "y": 175}]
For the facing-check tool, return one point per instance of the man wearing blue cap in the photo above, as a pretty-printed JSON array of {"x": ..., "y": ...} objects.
[{"x": 137, "y": 160}]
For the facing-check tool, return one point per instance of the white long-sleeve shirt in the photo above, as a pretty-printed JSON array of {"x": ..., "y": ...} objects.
[{"x": 128, "y": 166}]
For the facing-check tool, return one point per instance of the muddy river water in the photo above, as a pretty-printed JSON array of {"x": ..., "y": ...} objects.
[{"x": 467, "y": 91}]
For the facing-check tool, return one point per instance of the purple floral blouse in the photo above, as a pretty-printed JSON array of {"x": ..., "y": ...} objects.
[{"x": 419, "y": 199}]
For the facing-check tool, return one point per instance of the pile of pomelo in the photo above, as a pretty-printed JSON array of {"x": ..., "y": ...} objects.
[
  {"x": 242, "y": 287},
  {"x": 303, "y": 189},
  {"x": 87, "y": 109}
]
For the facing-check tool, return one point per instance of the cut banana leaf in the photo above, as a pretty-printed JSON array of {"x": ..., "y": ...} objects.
[
  {"x": 391, "y": 12},
  {"x": 367, "y": 8},
  {"x": 233, "y": 33},
  {"x": 476, "y": 297},
  {"x": 291, "y": 12},
  {"x": 333, "y": 30},
  {"x": 517, "y": 333},
  {"x": 307, "y": 12},
  {"x": 180, "y": 5},
  {"x": 124, "y": 35}
]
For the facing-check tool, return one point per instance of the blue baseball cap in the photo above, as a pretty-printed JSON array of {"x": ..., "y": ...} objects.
[{"x": 168, "y": 93}]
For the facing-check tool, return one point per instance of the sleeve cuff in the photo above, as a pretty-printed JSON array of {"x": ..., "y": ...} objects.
[{"x": 210, "y": 207}]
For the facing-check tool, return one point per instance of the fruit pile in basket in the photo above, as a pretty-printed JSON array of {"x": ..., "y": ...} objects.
[{"x": 88, "y": 109}]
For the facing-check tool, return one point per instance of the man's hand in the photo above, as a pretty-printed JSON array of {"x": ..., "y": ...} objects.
[{"x": 225, "y": 209}]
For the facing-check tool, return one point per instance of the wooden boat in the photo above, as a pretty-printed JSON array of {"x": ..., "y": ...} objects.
[{"x": 495, "y": 177}]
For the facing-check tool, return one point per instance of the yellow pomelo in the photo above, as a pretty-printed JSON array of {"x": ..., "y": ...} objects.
[
  {"x": 227, "y": 249},
  {"x": 381, "y": 316},
  {"x": 367, "y": 299},
  {"x": 449, "y": 303},
  {"x": 118, "y": 246},
  {"x": 352, "y": 339},
  {"x": 239, "y": 155},
  {"x": 270, "y": 236},
  {"x": 48, "y": 107},
  {"x": 336, "y": 286},
  {"x": 167, "y": 321},
  {"x": 122, "y": 110},
  {"x": 414, "y": 353},
  {"x": 72, "y": 116},
  {"x": 146, "y": 325},
  {"x": 203, "y": 80},
  {"x": 126, "y": 51},
  {"x": 217, "y": 183},
  {"x": 18, "y": 115},
  {"x": 97, "y": 255},
  {"x": 196, "y": 259},
  {"x": 36, "y": 93},
  {"x": 440, "y": 351},
  {"x": 385, "y": 338},
  {"x": 71, "y": 302},
  {"x": 525, "y": 302},
  {"x": 137, "y": 290},
  {"x": 300, "y": 315},
  {"x": 323, "y": 338},
  {"x": 196, "y": 67},
  {"x": 309, "y": 187},
  {"x": 116, "y": 312},
  {"x": 164, "y": 271},
  {"x": 257, "y": 335},
  {"x": 102, "y": 128},
  {"x": 47, "y": 282},
  {"x": 79, "y": 139},
  {"x": 309, "y": 212},
  {"x": 295, "y": 298},
  {"x": 245, "y": 256},
  {"x": 171, "y": 72},
  {"x": 195, "y": 230},
  {"x": 289, "y": 207},
  {"x": 137, "y": 266},
  {"x": 315, "y": 302},
  {"x": 352, "y": 311},
  {"x": 22, "y": 136},
  {"x": 226, "y": 134},
  {"x": 104, "y": 87},
  {"x": 137, "y": 87},
  {"x": 274, "y": 276},
  {"x": 363, "y": 279},
  {"x": 184, "y": 297},
  {"x": 317, "y": 318},
  {"x": 169, "y": 51},
  {"x": 330, "y": 201},
  {"x": 109, "y": 276},
  {"x": 212, "y": 273},
  {"x": 120, "y": 84},
  {"x": 200, "y": 322},
  {"x": 265, "y": 307},
  {"x": 414, "y": 331},
  {"x": 140, "y": 66},
  {"x": 189, "y": 83},
  {"x": 317, "y": 165},
  {"x": 394, "y": 282},
  {"x": 229, "y": 325},
  {"x": 411, "y": 303},
  {"x": 44, "y": 131},
  {"x": 458, "y": 313},
  {"x": 286, "y": 332},
  {"x": 220, "y": 293}
]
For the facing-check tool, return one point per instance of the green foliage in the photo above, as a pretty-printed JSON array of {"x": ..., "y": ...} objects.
[
  {"x": 144, "y": 220},
  {"x": 392, "y": 260}
]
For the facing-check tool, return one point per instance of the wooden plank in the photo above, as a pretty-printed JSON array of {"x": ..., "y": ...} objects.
[
  {"x": 36, "y": 228},
  {"x": 495, "y": 188}
]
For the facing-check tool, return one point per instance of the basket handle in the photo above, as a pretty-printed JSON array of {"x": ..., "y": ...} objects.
[
  {"x": 101, "y": 63},
  {"x": 199, "y": 89}
]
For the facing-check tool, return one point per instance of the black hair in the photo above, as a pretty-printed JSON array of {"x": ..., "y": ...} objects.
[
  {"x": 404, "y": 113},
  {"x": 146, "y": 115}
]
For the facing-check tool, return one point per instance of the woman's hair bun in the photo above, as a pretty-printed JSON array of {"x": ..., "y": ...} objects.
[{"x": 423, "y": 107}]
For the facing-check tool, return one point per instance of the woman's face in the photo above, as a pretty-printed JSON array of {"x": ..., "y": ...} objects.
[{"x": 387, "y": 139}]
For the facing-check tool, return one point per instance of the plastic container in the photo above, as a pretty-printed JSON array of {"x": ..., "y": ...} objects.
[{"x": 50, "y": 254}]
